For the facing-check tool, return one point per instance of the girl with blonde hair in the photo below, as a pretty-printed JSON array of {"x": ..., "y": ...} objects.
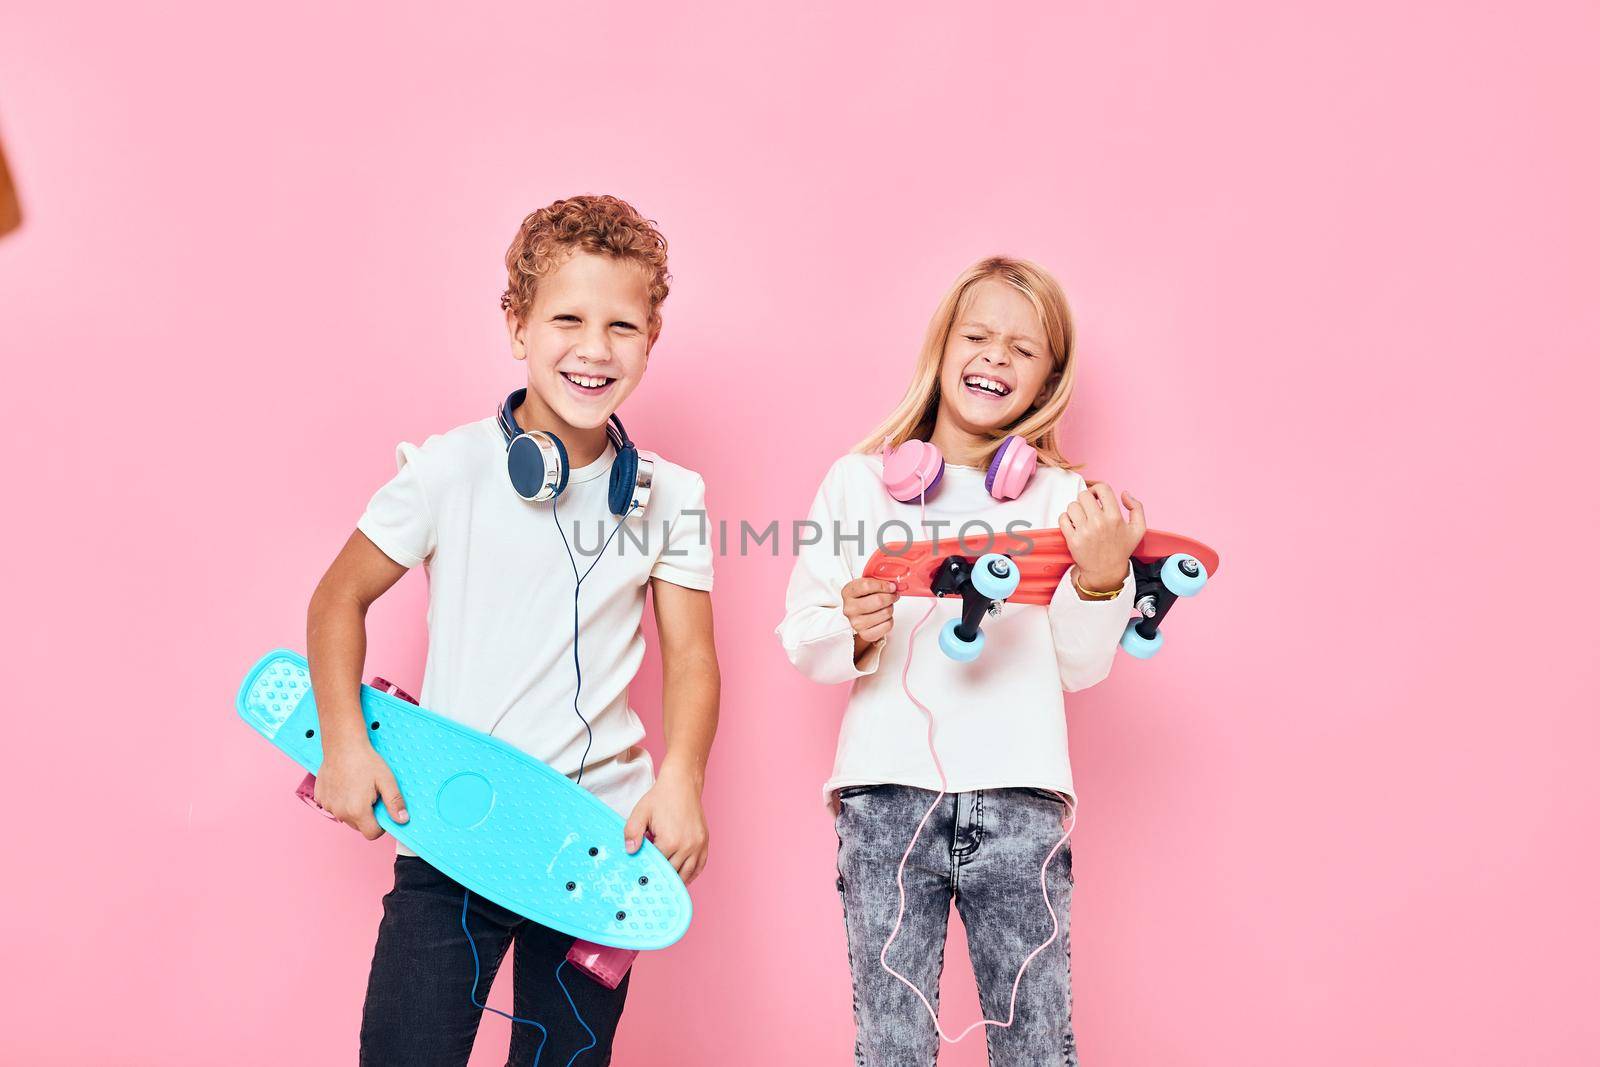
[{"x": 974, "y": 748}]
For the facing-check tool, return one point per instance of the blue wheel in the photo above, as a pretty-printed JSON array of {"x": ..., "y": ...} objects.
[
  {"x": 1139, "y": 646},
  {"x": 1183, "y": 574},
  {"x": 995, "y": 576},
  {"x": 950, "y": 643}
]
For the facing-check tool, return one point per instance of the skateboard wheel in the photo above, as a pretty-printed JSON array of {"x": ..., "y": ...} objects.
[
  {"x": 995, "y": 576},
  {"x": 383, "y": 685},
  {"x": 951, "y": 644},
  {"x": 1137, "y": 644},
  {"x": 307, "y": 792},
  {"x": 1183, "y": 574},
  {"x": 605, "y": 965}
]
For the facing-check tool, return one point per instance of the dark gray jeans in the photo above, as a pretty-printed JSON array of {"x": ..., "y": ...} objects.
[
  {"x": 983, "y": 850},
  {"x": 419, "y": 1010}
]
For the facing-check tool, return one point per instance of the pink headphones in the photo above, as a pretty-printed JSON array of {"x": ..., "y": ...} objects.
[{"x": 915, "y": 467}]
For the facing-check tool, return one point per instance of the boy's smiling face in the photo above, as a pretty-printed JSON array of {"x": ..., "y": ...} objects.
[
  {"x": 996, "y": 364},
  {"x": 585, "y": 338}
]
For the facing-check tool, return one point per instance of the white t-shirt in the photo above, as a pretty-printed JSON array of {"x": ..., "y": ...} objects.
[
  {"x": 500, "y": 597},
  {"x": 999, "y": 719}
]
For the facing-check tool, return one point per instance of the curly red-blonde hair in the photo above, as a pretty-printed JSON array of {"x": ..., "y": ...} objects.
[{"x": 599, "y": 225}]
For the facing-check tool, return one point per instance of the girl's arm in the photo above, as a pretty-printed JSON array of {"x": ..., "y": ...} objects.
[
  {"x": 691, "y": 685},
  {"x": 818, "y": 637},
  {"x": 1086, "y": 631}
]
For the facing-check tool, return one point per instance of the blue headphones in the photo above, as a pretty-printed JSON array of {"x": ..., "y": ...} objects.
[{"x": 536, "y": 460}]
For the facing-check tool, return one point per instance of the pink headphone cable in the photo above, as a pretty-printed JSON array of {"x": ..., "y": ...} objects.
[{"x": 1067, "y": 824}]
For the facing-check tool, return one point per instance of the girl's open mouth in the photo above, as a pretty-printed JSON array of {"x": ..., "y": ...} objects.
[{"x": 986, "y": 387}]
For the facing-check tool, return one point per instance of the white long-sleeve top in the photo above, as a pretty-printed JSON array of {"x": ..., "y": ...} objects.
[{"x": 999, "y": 720}]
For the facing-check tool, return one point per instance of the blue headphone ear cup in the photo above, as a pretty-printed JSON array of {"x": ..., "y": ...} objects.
[
  {"x": 525, "y": 464},
  {"x": 623, "y": 474}
]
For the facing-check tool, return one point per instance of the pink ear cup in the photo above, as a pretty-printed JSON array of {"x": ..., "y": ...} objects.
[
  {"x": 1011, "y": 469},
  {"x": 911, "y": 470}
]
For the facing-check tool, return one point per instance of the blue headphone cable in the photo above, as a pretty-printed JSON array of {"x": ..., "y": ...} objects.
[
  {"x": 577, "y": 587},
  {"x": 544, "y": 1035}
]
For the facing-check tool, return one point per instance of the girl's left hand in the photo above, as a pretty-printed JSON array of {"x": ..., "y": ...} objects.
[{"x": 1100, "y": 538}]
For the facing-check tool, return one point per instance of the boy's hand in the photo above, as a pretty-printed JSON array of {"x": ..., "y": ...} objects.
[
  {"x": 869, "y": 607},
  {"x": 1100, "y": 538},
  {"x": 350, "y": 782},
  {"x": 672, "y": 816}
]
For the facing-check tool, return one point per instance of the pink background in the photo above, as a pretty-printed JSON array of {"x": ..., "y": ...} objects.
[{"x": 1334, "y": 270}]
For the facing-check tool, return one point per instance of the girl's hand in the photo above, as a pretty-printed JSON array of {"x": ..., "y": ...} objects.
[
  {"x": 1100, "y": 538},
  {"x": 350, "y": 782},
  {"x": 671, "y": 814},
  {"x": 869, "y": 607}
]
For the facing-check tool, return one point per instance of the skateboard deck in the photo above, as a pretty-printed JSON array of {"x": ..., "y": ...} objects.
[
  {"x": 1042, "y": 555},
  {"x": 508, "y": 827}
]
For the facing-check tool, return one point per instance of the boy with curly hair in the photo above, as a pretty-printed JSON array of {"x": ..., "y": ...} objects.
[{"x": 508, "y": 553}]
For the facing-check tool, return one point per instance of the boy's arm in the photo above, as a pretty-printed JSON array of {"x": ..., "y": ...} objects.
[
  {"x": 691, "y": 687},
  {"x": 353, "y": 775}
]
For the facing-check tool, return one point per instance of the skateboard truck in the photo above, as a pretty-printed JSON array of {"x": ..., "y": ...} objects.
[
  {"x": 983, "y": 585},
  {"x": 1157, "y": 585},
  {"x": 1166, "y": 566}
]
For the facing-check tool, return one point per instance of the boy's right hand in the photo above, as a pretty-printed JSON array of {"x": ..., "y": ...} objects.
[
  {"x": 350, "y": 782},
  {"x": 869, "y": 606}
]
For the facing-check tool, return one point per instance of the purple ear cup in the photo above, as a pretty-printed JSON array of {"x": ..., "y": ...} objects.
[
  {"x": 1011, "y": 469},
  {"x": 994, "y": 464}
]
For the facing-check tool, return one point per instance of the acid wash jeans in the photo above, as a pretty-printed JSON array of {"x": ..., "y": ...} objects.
[{"x": 983, "y": 850}]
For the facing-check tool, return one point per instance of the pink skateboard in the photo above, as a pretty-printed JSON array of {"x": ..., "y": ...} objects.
[{"x": 1025, "y": 567}]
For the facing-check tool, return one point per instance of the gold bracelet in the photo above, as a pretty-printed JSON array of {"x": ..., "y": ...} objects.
[{"x": 1090, "y": 593}]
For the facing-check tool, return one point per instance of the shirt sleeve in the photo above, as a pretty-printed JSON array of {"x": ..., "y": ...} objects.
[
  {"x": 686, "y": 556},
  {"x": 1087, "y": 632},
  {"x": 816, "y": 636},
  {"x": 399, "y": 519}
]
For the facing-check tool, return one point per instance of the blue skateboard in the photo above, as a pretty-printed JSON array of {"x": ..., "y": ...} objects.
[{"x": 505, "y": 825}]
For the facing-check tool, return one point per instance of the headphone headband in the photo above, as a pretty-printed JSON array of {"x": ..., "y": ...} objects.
[
  {"x": 507, "y": 417},
  {"x": 618, "y": 435}
]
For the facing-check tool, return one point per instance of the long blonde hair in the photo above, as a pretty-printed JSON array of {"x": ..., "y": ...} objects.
[{"x": 915, "y": 415}]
